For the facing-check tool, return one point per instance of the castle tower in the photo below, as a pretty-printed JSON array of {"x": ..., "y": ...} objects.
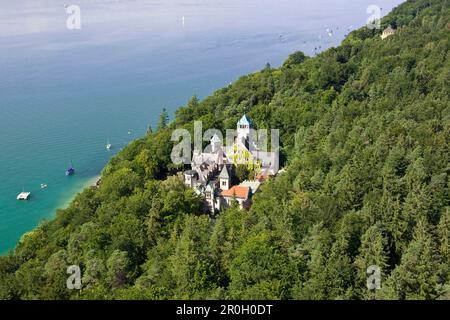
[
  {"x": 189, "y": 177},
  {"x": 210, "y": 197},
  {"x": 224, "y": 179},
  {"x": 243, "y": 128},
  {"x": 216, "y": 144}
]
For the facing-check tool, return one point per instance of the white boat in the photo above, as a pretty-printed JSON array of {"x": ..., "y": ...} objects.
[
  {"x": 108, "y": 146},
  {"x": 44, "y": 185},
  {"x": 24, "y": 196}
]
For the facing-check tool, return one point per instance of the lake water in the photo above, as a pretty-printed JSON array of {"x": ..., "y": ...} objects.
[{"x": 64, "y": 93}]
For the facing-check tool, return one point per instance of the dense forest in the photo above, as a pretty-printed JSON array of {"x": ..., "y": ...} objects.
[{"x": 365, "y": 130}]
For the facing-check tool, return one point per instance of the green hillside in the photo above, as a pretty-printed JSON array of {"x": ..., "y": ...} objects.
[{"x": 365, "y": 140}]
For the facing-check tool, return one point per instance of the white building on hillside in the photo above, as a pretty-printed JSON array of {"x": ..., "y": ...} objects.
[{"x": 389, "y": 31}]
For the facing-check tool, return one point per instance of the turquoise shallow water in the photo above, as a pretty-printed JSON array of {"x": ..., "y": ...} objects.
[{"x": 64, "y": 93}]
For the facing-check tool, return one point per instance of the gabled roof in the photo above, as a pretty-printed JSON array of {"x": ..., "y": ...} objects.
[
  {"x": 215, "y": 139},
  {"x": 199, "y": 190},
  {"x": 224, "y": 173},
  {"x": 237, "y": 192},
  {"x": 253, "y": 185},
  {"x": 209, "y": 188},
  {"x": 245, "y": 121},
  {"x": 208, "y": 158}
]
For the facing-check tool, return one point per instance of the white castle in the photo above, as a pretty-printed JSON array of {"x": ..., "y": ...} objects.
[{"x": 212, "y": 172}]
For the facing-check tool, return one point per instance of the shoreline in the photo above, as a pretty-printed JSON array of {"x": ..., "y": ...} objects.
[{"x": 64, "y": 204}]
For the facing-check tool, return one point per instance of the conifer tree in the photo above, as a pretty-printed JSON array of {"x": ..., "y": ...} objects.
[
  {"x": 373, "y": 252},
  {"x": 163, "y": 119},
  {"x": 417, "y": 275}
]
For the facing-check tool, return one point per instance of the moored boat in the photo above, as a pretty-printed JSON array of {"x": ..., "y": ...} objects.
[{"x": 71, "y": 170}]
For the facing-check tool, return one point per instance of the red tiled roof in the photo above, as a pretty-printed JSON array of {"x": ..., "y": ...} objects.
[
  {"x": 261, "y": 178},
  {"x": 237, "y": 191}
]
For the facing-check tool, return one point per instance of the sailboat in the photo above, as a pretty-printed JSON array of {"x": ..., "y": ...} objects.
[
  {"x": 70, "y": 171},
  {"x": 108, "y": 146},
  {"x": 23, "y": 195}
]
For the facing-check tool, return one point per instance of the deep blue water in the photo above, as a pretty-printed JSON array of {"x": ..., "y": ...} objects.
[{"x": 64, "y": 93}]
